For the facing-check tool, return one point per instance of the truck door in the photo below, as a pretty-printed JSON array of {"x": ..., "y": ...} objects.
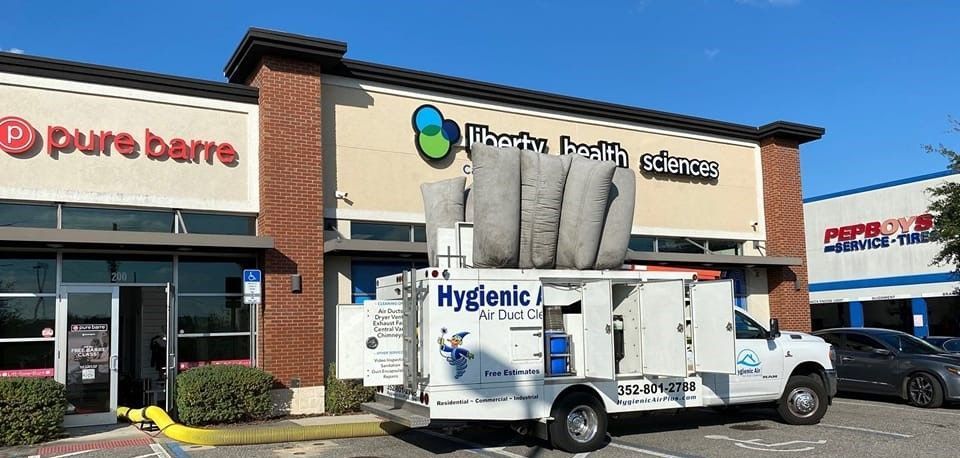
[
  {"x": 714, "y": 339},
  {"x": 759, "y": 362},
  {"x": 662, "y": 340},
  {"x": 597, "y": 312}
]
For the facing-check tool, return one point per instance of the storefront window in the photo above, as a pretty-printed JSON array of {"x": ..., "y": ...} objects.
[
  {"x": 730, "y": 247},
  {"x": 28, "y": 274},
  {"x": 212, "y": 275},
  {"x": 199, "y": 223},
  {"x": 680, "y": 245},
  {"x": 894, "y": 314},
  {"x": 826, "y": 316},
  {"x": 22, "y": 215},
  {"x": 117, "y": 269},
  {"x": 378, "y": 231},
  {"x": 641, "y": 243},
  {"x": 419, "y": 233},
  {"x": 364, "y": 276},
  {"x": 943, "y": 315},
  {"x": 198, "y": 351},
  {"x": 26, "y": 317},
  {"x": 105, "y": 219},
  {"x": 26, "y": 359},
  {"x": 205, "y": 314}
]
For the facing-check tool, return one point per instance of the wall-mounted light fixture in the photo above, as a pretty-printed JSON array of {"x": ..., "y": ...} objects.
[{"x": 296, "y": 283}]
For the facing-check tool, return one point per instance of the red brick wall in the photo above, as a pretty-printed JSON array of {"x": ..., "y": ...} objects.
[
  {"x": 783, "y": 208},
  {"x": 291, "y": 211}
]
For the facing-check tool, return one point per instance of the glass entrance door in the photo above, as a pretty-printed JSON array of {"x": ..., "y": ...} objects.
[{"x": 87, "y": 363}]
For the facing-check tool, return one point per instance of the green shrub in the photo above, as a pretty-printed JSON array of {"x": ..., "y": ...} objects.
[
  {"x": 223, "y": 394},
  {"x": 31, "y": 410},
  {"x": 345, "y": 395}
]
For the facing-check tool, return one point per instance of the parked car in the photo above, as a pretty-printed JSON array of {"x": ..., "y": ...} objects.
[
  {"x": 887, "y": 362},
  {"x": 950, "y": 344}
]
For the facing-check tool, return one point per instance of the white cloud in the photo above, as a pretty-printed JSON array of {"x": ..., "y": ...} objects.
[
  {"x": 640, "y": 6},
  {"x": 711, "y": 53}
]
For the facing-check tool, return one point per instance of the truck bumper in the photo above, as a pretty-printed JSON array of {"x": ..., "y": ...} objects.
[{"x": 831, "y": 381}]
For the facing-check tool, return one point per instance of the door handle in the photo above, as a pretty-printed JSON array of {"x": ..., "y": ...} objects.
[
  {"x": 113, "y": 362},
  {"x": 846, "y": 358},
  {"x": 538, "y": 354}
]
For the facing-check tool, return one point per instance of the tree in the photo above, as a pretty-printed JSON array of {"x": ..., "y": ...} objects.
[{"x": 945, "y": 207}]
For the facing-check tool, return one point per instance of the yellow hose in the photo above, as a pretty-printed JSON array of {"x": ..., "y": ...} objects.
[{"x": 258, "y": 434}]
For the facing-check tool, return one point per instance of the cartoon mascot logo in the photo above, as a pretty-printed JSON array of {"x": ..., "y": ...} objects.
[{"x": 454, "y": 353}]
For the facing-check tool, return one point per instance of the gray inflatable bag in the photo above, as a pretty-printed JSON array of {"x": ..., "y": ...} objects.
[
  {"x": 443, "y": 207},
  {"x": 496, "y": 204},
  {"x": 619, "y": 221},
  {"x": 584, "y": 208},
  {"x": 468, "y": 205},
  {"x": 542, "y": 178}
]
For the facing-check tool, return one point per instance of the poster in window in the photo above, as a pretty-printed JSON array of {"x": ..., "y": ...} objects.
[{"x": 89, "y": 353}]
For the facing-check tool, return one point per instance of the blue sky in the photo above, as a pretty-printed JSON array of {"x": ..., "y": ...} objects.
[{"x": 880, "y": 76}]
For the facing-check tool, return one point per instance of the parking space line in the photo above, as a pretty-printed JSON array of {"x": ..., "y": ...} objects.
[
  {"x": 642, "y": 450},
  {"x": 866, "y": 430},
  {"x": 908, "y": 409},
  {"x": 160, "y": 451},
  {"x": 474, "y": 447}
]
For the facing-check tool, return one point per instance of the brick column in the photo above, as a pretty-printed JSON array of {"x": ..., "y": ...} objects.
[
  {"x": 783, "y": 209},
  {"x": 291, "y": 211}
]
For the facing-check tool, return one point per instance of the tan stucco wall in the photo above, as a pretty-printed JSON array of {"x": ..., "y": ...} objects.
[
  {"x": 369, "y": 153},
  {"x": 116, "y": 179}
]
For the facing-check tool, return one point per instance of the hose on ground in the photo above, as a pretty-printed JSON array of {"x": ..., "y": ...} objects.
[{"x": 256, "y": 434}]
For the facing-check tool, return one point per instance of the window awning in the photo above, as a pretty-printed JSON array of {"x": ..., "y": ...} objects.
[
  {"x": 647, "y": 257},
  {"x": 367, "y": 247},
  {"x": 21, "y": 236},
  {"x": 347, "y": 247}
]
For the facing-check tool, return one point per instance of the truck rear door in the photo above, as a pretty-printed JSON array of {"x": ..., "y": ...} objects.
[
  {"x": 663, "y": 343},
  {"x": 714, "y": 337},
  {"x": 597, "y": 312}
]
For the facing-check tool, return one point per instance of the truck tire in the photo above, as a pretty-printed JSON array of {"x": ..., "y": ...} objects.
[
  {"x": 804, "y": 401},
  {"x": 579, "y": 423},
  {"x": 924, "y": 390}
]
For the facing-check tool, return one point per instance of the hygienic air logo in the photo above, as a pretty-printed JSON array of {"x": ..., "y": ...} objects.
[
  {"x": 748, "y": 363},
  {"x": 452, "y": 350},
  {"x": 434, "y": 136}
]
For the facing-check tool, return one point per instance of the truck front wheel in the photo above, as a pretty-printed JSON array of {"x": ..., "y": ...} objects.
[
  {"x": 579, "y": 423},
  {"x": 804, "y": 401}
]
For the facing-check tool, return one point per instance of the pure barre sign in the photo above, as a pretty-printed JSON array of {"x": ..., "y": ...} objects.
[{"x": 18, "y": 138}]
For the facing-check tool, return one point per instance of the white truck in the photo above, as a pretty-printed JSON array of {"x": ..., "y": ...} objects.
[{"x": 554, "y": 352}]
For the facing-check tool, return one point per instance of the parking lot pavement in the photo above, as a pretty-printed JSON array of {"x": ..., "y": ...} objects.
[{"x": 853, "y": 427}]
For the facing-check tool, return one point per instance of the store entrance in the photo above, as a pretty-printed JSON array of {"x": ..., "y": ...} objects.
[{"x": 115, "y": 349}]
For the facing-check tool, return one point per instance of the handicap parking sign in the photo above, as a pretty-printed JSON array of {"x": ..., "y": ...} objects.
[{"x": 252, "y": 286}]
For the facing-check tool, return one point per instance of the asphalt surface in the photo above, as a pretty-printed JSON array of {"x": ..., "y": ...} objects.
[{"x": 853, "y": 427}]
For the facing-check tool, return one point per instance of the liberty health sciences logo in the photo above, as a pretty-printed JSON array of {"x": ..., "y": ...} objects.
[
  {"x": 452, "y": 350},
  {"x": 748, "y": 363},
  {"x": 16, "y": 135},
  {"x": 434, "y": 136}
]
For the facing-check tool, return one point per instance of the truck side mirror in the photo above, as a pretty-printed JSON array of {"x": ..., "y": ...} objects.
[{"x": 774, "y": 328}]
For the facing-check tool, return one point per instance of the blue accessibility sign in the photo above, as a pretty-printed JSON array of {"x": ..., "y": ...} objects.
[{"x": 252, "y": 275}]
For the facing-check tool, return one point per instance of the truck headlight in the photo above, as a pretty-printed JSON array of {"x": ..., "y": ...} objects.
[{"x": 953, "y": 370}]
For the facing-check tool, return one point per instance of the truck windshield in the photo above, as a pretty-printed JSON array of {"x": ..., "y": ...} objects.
[{"x": 906, "y": 343}]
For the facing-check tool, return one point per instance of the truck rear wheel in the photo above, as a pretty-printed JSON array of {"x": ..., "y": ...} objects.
[
  {"x": 804, "y": 401},
  {"x": 579, "y": 423}
]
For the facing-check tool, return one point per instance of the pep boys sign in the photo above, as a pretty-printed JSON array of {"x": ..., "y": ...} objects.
[{"x": 17, "y": 137}]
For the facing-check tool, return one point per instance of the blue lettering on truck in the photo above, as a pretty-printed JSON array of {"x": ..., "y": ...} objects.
[{"x": 472, "y": 300}]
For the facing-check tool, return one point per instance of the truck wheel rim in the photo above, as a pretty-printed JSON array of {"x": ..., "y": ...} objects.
[
  {"x": 803, "y": 402},
  {"x": 921, "y": 390},
  {"x": 582, "y": 423}
]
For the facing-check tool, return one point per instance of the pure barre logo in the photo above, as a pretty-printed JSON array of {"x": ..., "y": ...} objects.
[{"x": 17, "y": 137}]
